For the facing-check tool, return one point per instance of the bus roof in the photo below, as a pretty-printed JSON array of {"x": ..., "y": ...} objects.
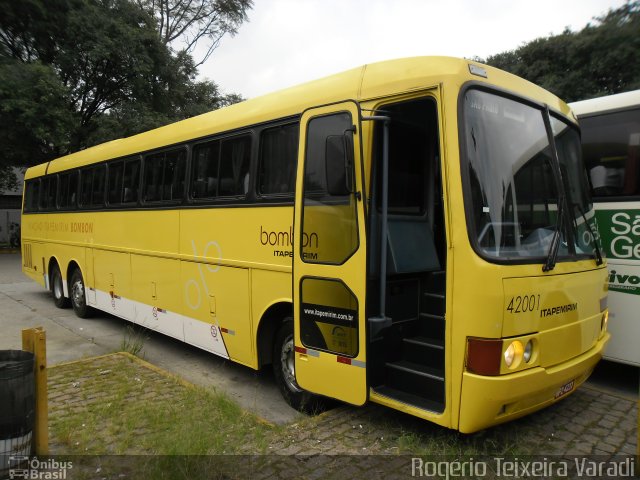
[
  {"x": 366, "y": 82},
  {"x": 609, "y": 103}
]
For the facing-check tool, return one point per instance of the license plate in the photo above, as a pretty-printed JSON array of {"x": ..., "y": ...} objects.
[{"x": 564, "y": 389}]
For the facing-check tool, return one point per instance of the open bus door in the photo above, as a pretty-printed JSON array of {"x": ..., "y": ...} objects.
[{"x": 329, "y": 256}]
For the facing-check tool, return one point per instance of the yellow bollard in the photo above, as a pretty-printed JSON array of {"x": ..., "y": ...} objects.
[{"x": 34, "y": 340}]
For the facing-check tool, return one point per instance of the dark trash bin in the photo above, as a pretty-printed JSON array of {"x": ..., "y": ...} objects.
[{"x": 17, "y": 407}]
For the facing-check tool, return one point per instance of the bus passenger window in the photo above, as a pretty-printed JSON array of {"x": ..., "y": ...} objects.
[
  {"x": 31, "y": 196},
  {"x": 164, "y": 176},
  {"x": 174, "y": 169},
  {"x": 115, "y": 183},
  {"x": 153, "y": 177},
  {"x": 98, "y": 186},
  {"x": 204, "y": 177},
  {"x": 48, "y": 194},
  {"x": 234, "y": 166},
  {"x": 278, "y": 156},
  {"x": 86, "y": 176},
  {"x": 131, "y": 180},
  {"x": 611, "y": 151},
  {"x": 68, "y": 193}
]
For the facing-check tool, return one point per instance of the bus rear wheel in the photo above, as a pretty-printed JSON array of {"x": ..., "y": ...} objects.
[
  {"x": 77, "y": 293},
  {"x": 285, "y": 375},
  {"x": 57, "y": 287}
]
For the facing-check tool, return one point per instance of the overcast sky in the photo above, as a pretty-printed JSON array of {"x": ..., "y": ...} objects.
[{"x": 287, "y": 42}]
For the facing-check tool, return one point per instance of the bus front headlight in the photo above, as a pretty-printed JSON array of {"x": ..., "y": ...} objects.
[
  {"x": 528, "y": 351},
  {"x": 514, "y": 354}
]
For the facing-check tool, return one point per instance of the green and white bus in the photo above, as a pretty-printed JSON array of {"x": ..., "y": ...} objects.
[{"x": 611, "y": 149}]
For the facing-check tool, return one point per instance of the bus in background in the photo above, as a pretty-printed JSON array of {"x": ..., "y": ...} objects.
[
  {"x": 410, "y": 233},
  {"x": 611, "y": 149}
]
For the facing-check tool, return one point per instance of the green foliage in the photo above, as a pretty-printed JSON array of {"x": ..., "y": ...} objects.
[
  {"x": 35, "y": 113},
  {"x": 8, "y": 178},
  {"x": 74, "y": 73},
  {"x": 601, "y": 59}
]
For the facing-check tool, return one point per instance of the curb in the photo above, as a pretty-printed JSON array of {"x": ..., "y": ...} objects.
[{"x": 8, "y": 251}]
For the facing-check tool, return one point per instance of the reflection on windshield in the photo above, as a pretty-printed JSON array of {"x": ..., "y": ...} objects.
[
  {"x": 576, "y": 184},
  {"x": 514, "y": 184}
]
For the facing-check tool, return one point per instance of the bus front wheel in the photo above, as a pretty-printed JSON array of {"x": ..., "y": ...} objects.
[
  {"x": 284, "y": 372},
  {"x": 57, "y": 288},
  {"x": 78, "y": 297}
]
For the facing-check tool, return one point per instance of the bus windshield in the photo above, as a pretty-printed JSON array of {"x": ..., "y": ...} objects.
[{"x": 515, "y": 186}]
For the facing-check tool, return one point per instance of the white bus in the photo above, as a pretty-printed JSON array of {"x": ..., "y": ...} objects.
[{"x": 611, "y": 149}]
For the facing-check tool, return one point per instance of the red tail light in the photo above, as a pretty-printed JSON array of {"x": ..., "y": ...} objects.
[{"x": 484, "y": 356}]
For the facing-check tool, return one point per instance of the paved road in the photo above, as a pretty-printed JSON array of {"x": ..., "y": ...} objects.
[{"x": 25, "y": 304}]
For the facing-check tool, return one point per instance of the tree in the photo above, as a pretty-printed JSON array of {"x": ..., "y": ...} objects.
[
  {"x": 188, "y": 23},
  {"x": 36, "y": 116},
  {"x": 601, "y": 59},
  {"x": 176, "y": 97},
  {"x": 74, "y": 73}
]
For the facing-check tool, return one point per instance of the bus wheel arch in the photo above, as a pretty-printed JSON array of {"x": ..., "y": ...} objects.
[
  {"x": 56, "y": 284},
  {"x": 77, "y": 291},
  {"x": 270, "y": 323},
  {"x": 283, "y": 363}
]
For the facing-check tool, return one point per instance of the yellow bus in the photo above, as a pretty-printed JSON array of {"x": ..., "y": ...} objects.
[{"x": 409, "y": 233}]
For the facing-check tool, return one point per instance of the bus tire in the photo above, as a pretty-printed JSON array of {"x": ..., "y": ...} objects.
[
  {"x": 77, "y": 294},
  {"x": 57, "y": 287},
  {"x": 284, "y": 372}
]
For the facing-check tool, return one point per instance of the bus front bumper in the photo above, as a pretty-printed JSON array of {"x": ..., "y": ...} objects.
[{"x": 488, "y": 401}]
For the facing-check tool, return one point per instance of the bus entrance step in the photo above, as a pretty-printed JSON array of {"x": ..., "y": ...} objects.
[
  {"x": 425, "y": 351},
  {"x": 432, "y": 326},
  {"x": 409, "y": 398},
  {"x": 415, "y": 379},
  {"x": 416, "y": 369},
  {"x": 426, "y": 342}
]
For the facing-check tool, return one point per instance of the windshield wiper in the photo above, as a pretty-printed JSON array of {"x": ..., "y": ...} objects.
[
  {"x": 552, "y": 257},
  {"x": 555, "y": 241},
  {"x": 596, "y": 248}
]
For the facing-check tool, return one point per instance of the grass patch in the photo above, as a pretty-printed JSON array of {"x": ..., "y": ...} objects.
[
  {"x": 133, "y": 341},
  {"x": 116, "y": 406},
  {"x": 125, "y": 408}
]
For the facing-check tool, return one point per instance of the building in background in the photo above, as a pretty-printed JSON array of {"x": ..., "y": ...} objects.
[{"x": 10, "y": 207}]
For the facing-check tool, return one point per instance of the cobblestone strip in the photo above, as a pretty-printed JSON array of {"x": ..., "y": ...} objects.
[{"x": 588, "y": 422}]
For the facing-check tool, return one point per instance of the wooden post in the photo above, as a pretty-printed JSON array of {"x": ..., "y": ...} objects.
[{"x": 34, "y": 340}]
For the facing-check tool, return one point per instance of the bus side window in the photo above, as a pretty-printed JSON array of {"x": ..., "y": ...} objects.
[
  {"x": 93, "y": 186},
  {"x": 31, "y": 197},
  {"x": 204, "y": 175},
  {"x": 152, "y": 177},
  {"x": 234, "y": 166},
  {"x": 115, "y": 183},
  {"x": 278, "y": 156},
  {"x": 68, "y": 192},
  {"x": 164, "y": 176},
  {"x": 173, "y": 185},
  {"x": 131, "y": 180},
  {"x": 86, "y": 176},
  {"x": 610, "y": 146},
  {"x": 98, "y": 186},
  {"x": 48, "y": 193}
]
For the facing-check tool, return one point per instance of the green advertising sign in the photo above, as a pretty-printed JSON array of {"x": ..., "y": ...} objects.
[{"x": 620, "y": 236}]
